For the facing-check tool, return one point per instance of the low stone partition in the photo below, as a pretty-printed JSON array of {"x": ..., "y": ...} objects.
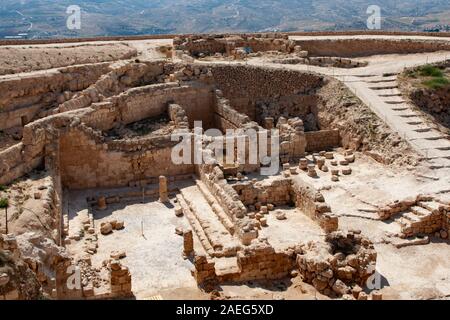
[
  {"x": 276, "y": 192},
  {"x": 345, "y": 264},
  {"x": 260, "y": 261},
  {"x": 312, "y": 203},
  {"x": 334, "y": 62},
  {"x": 226, "y": 117},
  {"x": 322, "y": 140},
  {"x": 422, "y": 214},
  {"x": 227, "y": 44}
]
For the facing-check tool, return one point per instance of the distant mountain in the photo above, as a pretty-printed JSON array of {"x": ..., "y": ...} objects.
[{"x": 47, "y": 18}]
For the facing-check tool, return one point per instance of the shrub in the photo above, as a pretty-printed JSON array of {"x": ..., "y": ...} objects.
[
  {"x": 436, "y": 83},
  {"x": 430, "y": 71},
  {"x": 4, "y": 203}
]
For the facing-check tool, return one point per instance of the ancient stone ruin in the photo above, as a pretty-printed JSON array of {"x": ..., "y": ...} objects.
[{"x": 142, "y": 176}]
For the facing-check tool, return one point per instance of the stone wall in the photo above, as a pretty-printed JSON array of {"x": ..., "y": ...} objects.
[
  {"x": 312, "y": 203},
  {"x": 16, "y": 161},
  {"x": 197, "y": 45},
  {"x": 260, "y": 261},
  {"x": 121, "y": 76},
  {"x": 322, "y": 140},
  {"x": 23, "y": 98},
  {"x": 277, "y": 192},
  {"x": 116, "y": 163},
  {"x": 370, "y": 46},
  {"x": 244, "y": 86},
  {"x": 143, "y": 102},
  {"x": 335, "y": 62}
]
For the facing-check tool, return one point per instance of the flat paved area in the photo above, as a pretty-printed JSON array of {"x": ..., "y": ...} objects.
[{"x": 154, "y": 258}]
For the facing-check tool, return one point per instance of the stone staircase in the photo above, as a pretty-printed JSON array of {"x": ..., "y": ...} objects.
[
  {"x": 381, "y": 93},
  {"x": 210, "y": 223},
  {"x": 424, "y": 218}
]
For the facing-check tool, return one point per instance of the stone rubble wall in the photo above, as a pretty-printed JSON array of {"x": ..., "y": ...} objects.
[
  {"x": 349, "y": 259},
  {"x": 26, "y": 97},
  {"x": 227, "y": 44},
  {"x": 178, "y": 115},
  {"x": 312, "y": 203},
  {"x": 19, "y": 282}
]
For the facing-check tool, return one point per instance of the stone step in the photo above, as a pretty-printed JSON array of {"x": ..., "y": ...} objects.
[
  {"x": 437, "y": 137},
  {"x": 408, "y": 115},
  {"x": 413, "y": 123},
  {"x": 395, "y": 102},
  {"x": 195, "y": 224},
  {"x": 220, "y": 238},
  {"x": 387, "y": 95},
  {"x": 384, "y": 87},
  {"x": 218, "y": 210},
  {"x": 425, "y": 129},
  {"x": 431, "y": 206},
  {"x": 411, "y": 216},
  {"x": 400, "y": 108},
  {"x": 383, "y": 80},
  {"x": 420, "y": 211}
]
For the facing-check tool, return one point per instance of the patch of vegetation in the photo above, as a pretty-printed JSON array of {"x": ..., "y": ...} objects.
[
  {"x": 4, "y": 203},
  {"x": 436, "y": 83},
  {"x": 430, "y": 71},
  {"x": 435, "y": 77},
  {"x": 3, "y": 188}
]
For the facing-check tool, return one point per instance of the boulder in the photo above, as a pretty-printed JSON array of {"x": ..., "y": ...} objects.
[
  {"x": 106, "y": 228},
  {"x": 118, "y": 254},
  {"x": 340, "y": 287},
  {"x": 119, "y": 225},
  {"x": 4, "y": 279},
  {"x": 280, "y": 215}
]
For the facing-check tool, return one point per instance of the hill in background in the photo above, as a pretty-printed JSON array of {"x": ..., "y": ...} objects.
[{"x": 47, "y": 19}]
